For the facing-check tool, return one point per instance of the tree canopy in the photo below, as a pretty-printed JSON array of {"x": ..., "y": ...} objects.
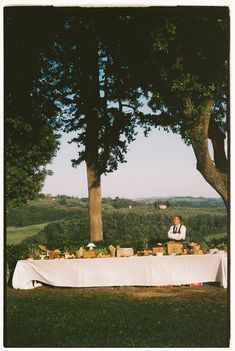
[
  {"x": 191, "y": 89},
  {"x": 93, "y": 96},
  {"x": 91, "y": 89},
  {"x": 30, "y": 136},
  {"x": 97, "y": 67},
  {"x": 181, "y": 66}
]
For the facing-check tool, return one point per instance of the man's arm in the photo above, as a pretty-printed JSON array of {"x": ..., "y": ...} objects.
[
  {"x": 182, "y": 234},
  {"x": 177, "y": 236},
  {"x": 170, "y": 232}
]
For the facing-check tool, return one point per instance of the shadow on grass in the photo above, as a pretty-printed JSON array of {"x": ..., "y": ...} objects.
[{"x": 117, "y": 317}]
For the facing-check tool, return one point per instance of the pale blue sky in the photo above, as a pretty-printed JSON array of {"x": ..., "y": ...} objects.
[{"x": 160, "y": 165}]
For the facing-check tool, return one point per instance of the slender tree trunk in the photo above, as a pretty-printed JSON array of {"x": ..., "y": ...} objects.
[
  {"x": 95, "y": 204},
  {"x": 199, "y": 139}
]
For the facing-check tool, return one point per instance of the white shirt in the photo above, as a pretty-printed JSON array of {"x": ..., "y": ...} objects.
[{"x": 177, "y": 236}]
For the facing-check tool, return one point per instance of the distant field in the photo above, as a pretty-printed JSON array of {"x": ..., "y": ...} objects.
[{"x": 16, "y": 234}]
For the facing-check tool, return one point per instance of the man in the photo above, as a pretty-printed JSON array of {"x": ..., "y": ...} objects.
[{"x": 177, "y": 230}]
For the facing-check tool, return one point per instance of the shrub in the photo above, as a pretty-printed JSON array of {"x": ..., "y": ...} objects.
[
  {"x": 13, "y": 254},
  {"x": 216, "y": 243}
]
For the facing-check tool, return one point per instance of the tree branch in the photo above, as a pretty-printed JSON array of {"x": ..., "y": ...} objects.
[
  {"x": 199, "y": 139},
  {"x": 163, "y": 119},
  {"x": 217, "y": 137}
]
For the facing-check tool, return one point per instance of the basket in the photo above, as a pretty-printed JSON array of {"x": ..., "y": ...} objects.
[
  {"x": 54, "y": 254},
  {"x": 125, "y": 252},
  {"x": 112, "y": 250},
  {"x": 89, "y": 254},
  {"x": 197, "y": 250},
  {"x": 174, "y": 248},
  {"x": 79, "y": 253}
]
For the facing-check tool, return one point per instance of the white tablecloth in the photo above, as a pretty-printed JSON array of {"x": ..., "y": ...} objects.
[{"x": 136, "y": 271}]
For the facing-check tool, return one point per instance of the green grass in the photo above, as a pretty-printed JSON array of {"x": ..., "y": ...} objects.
[
  {"x": 215, "y": 236},
  {"x": 117, "y": 317},
  {"x": 16, "y": 234}
]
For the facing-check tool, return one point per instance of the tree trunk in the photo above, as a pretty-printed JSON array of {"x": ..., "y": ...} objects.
[
  {"x": 90, "y": 89},
  {"x": 217, "y": 137},
  {"x": 199, "y": 139},
  {"x": 95, "y": 204}
]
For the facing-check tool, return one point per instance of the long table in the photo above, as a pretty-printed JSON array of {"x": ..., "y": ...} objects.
[{"x": 122, "y": 271}]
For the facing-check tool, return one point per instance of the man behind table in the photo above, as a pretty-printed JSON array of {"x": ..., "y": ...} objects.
[{"x": 177, "y": 230}]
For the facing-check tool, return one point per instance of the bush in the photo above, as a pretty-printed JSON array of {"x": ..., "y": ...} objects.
[
  {"x": 13, "y": 254},
  {"x": 217, "y": 243}
]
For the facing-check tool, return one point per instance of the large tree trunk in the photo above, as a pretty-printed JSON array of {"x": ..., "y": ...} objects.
[
  {"x": 91, "y": 107},
  {"x": 199, "y": 139},
  {"x": 95, "y": 205}
]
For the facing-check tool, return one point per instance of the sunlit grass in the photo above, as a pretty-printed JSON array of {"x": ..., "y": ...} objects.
[{"x": 16, "y": 234}]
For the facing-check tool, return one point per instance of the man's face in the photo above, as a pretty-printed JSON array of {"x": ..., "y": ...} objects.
[{"x": 176, "y": 220}]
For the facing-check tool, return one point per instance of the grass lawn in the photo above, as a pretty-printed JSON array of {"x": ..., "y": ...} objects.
[
  {"x": 16, "y": 234},
  {"x": 117, "y": 317}
]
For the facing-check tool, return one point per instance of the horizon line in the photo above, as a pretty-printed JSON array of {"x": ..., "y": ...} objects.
[{"x": 138, "y": 198}]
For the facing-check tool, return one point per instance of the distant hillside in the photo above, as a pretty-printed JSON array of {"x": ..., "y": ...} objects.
[
  {"x": 186, "y": 201},
  {"x": 45, "y": 210},
  {"x": 133, "y": 227}
]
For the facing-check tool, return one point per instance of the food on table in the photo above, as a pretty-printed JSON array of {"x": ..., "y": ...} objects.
[
  {"x": 91, "y": 246},
  {"x": 125, "y": 252},
  {"x": 80, "y": 252},
  {"x": 102, "y": 253},
  {"x": 89, "y": 254},
  {"x": 192, "y": 243},
  {"x": 43, "y": 248},
  {"x": 158, "y": 249},
  {"x": 170, "y": 248},
  {"x": 54, "y": 254},
  {"x": 112, "y": 250},
  {"x": 144, "y": 253},
  {"x": 174, "y": 247}
]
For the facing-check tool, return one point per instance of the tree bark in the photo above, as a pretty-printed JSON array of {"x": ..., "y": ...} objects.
[
  {"x": 95, "y": 204},
  {"x": 199, "y": 139},
  {"x": 91, "y": 98},
  {"x": 217, "y": 137}
]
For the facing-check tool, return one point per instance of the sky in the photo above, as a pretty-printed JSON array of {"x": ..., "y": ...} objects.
[{"x": 161, "y": 165}]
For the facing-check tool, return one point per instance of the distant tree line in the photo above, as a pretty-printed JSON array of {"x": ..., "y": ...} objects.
[{"x": 67, "y": 207}]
